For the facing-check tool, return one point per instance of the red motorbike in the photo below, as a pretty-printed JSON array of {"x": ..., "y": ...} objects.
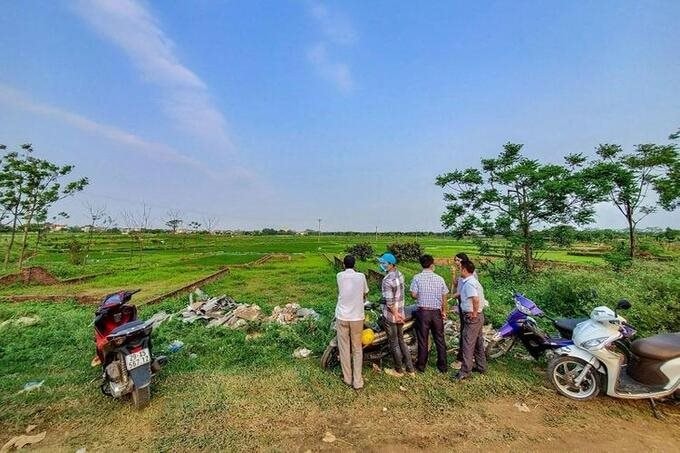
[{"x": 124, "y": 349}]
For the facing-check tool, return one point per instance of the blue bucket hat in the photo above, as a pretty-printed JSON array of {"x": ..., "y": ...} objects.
[{"x": 388, "y": 258}]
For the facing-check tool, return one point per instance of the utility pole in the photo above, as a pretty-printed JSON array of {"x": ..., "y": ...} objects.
[
  {"x": 318, "y": 238},
  {"x": 376, "y": 233}
]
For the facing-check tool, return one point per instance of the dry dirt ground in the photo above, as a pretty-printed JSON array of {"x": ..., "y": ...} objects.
[{"x": 292, "y": 409}]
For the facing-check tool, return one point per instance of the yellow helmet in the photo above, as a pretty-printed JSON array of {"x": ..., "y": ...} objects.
[{"x": 367, "y": 337}]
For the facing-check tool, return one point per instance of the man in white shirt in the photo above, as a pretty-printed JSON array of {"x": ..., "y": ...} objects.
[
  {"x": 349, "y": 313},
  {"x": 472, "y": 304}
]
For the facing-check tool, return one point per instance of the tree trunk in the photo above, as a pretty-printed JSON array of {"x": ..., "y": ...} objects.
[
  {"x": 631, "y": 234},
  {"x": 11, "y": 239},
  {"x": 528, "y": 249},
  {"x": 24, "y": 242}
]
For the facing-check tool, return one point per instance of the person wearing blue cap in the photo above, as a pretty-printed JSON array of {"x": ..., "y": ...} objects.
[{"x": 393, "y": 312}]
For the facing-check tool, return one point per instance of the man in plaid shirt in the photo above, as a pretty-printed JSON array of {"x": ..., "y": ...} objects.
[
  {"x": 430, "y": 290},
  {"x": 393, "y": 312}
]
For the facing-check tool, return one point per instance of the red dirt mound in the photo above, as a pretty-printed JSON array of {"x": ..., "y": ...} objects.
[{"x": 36, "y": 274}]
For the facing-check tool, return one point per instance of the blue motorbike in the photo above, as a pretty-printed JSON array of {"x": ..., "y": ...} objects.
[{"x": 521, "y": 325}]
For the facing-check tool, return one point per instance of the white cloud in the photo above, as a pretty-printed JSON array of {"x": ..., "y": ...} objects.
[
  {"x": 336, "y": 30},
  {"x": 130, "y": 26},
  {"x": 156, "y": 151},
  {"x": 336, "y": 72},
  {"x": 334, "y": 25}
]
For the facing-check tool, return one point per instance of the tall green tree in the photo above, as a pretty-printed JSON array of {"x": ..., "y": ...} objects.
[
  {"x": 629, "y": 177},
  {"x": 42, "y": 188},
  {"x": 512, "y": 195},
  {"x": 12, "y": 185}
]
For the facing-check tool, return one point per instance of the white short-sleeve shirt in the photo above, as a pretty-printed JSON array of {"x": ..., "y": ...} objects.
[
  {"x": 469, "y": 289},
  {"x": 352, "y": 286}
]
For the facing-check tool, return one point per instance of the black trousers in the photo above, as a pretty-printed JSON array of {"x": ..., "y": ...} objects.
[
  {"x": 400, "y": 352},
  {"x": 473, "y": 344},
  {"x": 431, "y": 320}
]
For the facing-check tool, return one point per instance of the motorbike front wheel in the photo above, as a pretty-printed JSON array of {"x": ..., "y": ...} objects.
[
  {"x": 500, "y": 347},
  {"x": 563, "y": 371},
  {"x": 330, "y": 357},
  {"x": 141, "y": 396}
]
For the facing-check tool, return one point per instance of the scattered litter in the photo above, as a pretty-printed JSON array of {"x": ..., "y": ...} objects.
[
  {"x": 30, "y": 428},
  {"x": 23, "y": 321},
  {"x": 328, "y": 437},
  {"x": 384, "y": 409},
  {"x": 32, "y": 385},
  {"x": 19, "y": 442},
  {"x": 175, "y": 346},
  {"x": 402, "y": 388},
  {"x": 291, "y": 313},
  {"x": 302, "y": 353},
  {"x": 226, "y": 312},
  {"x": 193, "y": 355},
  {"x": 253, "y": 336},
  {"x": 376, "y": 367},
  {"x": 81, "y": 450},
  {"x": 393, "y": 373},
  {"x": 522, "y": 407},
  {"x": 158, "y": 318},
  {"x": 95, "y": 361}
]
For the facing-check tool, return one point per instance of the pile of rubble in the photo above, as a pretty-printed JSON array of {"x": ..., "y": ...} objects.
[{"x": 225, "y": 311}]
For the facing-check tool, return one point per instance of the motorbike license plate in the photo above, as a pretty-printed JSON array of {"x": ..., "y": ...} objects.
[{"x": 137, "y": 359}]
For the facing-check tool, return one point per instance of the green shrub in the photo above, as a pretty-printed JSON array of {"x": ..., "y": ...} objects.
[
  {"x": 361, "y": 251},
  {"x": 76, "y": 252},
  {"x": 619, "y": 257},
  {"x": 406, "y": 251}
]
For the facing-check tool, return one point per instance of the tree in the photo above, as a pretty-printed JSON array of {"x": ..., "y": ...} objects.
[
  {"x": 512, "y": 195},
  {"x": 137, "y": 222},
  {"x": 210, "y": 223},
  {"x": 29, "y": 186},
  {"x": 174, "y": 219},
  {"x": 96, "y": 215},
  {"x": 628, "y": 178},
  {"x": 194, "y": 226}
]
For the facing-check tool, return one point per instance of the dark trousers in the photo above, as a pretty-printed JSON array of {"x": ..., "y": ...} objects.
[
  {"x": 400, "y": 352},
  {"x": 431, "y": 320},
  {"x": 473, "y": 344},
  {"x": 459, "y": 354}
]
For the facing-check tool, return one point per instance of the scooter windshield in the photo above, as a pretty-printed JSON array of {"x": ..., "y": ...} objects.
[{"x": 527, "y": 306}]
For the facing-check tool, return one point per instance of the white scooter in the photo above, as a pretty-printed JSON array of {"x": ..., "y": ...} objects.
[{"x": 594, "y": 363}]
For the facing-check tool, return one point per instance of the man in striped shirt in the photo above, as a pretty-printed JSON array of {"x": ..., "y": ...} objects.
[
  {"x": 393, "y": 312},
  {"x": 430, "y": 290}
]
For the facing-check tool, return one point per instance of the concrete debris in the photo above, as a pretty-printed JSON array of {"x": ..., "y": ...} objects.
[
  {"x": 19, "y": 442},
  {"x": 302, "y": 353},
  {"x": 522, "y": 407},
  {"x": 291, "y": 313},
  {"x": 158, "y": 318},
  {"x": 32, "y": 385},
  {"x": 328, "y": 437},
  {"x": 23, "y": 321},
  {"x": 224, "y": 311}
]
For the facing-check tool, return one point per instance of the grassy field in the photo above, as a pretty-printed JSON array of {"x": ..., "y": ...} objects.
[{"x": 226, "y": 390}]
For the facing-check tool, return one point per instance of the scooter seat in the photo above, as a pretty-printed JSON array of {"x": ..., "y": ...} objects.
[
  {"x": 132, "y": 325},
  {"x": 568, "y": 324},
  {"x": 659, "y": 347}
]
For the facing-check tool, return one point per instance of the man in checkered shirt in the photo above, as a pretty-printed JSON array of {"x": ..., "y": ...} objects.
[{"x": 430, "y": 290}]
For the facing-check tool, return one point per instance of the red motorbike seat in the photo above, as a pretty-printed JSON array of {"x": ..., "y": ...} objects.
[{"x": 659, "y": 347}]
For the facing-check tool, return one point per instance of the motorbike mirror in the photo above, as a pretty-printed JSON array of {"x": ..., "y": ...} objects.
[{"x": 623, "y": 304}]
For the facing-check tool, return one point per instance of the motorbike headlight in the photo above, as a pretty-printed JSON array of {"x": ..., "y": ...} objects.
[{"x": 594, "y": 343}]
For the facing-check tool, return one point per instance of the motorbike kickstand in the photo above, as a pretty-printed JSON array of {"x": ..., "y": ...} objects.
[{"x": 656, "y": 412}]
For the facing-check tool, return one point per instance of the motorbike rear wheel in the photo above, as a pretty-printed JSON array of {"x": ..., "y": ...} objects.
[
  {"x": 141, "y": 396},
  {"x": 562, "y": 372},
  {"x": 500, "y": 347},
  {"x": 330, "y": 357}
]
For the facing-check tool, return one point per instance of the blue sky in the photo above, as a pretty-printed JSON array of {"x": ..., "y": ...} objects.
[{"x": 276, "y": 113}]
